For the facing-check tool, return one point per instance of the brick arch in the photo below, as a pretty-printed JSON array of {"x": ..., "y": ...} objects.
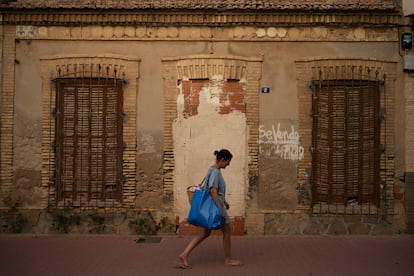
[
  {"x": 308, "y": 71},
  {"x": 124, "y": 68},
  {"x": 206, "y": 67}
]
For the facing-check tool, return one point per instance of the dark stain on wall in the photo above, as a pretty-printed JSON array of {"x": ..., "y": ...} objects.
[
  {"x": 277, "y": 184},
  {"x": 27, "y": 188},
  {"x": 149, "y": 181}
]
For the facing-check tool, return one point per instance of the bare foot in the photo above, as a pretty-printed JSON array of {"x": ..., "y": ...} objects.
[
  {"x": 184, "y": 262},
  {"x": 233, "y": 263}
]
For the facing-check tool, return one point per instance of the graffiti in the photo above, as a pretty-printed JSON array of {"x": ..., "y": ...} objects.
[{"x": 281, "y": 143}]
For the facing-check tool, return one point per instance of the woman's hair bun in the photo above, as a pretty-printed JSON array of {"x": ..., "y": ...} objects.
[{"x": 223, "y": 154}]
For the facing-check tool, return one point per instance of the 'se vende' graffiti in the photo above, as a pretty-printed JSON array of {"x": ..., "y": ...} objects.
[{"x": 281, "y": 143}]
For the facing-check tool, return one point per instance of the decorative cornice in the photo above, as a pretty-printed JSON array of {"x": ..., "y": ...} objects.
[
  {"x": 216, "y": 5},
  {"x": 212, "y": 57},
  {"x": 206, "y": 33},
  {"x": 348, "y": 69},
  {"x": 94, "y": 67},
  {"x": 206, "y": 66},
  {"x": 127, "y": 18}
]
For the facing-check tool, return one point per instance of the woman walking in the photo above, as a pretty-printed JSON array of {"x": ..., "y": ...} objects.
[{"x": 217, "y": 186}]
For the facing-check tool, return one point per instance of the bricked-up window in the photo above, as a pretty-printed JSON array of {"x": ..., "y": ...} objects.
[
  {"x": 89, "y": 140},
  {"x": 346, "y": 129}
]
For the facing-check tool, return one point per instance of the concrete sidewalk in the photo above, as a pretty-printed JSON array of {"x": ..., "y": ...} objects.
[{"x": 262, "y": 255}]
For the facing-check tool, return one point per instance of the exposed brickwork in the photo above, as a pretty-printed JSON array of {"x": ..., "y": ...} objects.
[
  {"x": 7, "y": 112},
  {"x": 191, "y": 91},
  {"x": 117, "y": 24},
  {"x": 232, "y": 99}
]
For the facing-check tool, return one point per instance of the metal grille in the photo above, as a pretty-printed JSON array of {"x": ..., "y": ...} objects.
[
  {"x": 89, "y": 140},
  {"x": 346, "y": 134}
]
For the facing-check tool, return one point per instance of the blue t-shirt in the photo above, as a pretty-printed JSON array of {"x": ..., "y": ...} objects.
[{"x": 214, "y": 179}]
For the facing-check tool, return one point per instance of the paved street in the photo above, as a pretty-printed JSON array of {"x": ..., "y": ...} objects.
[{"x": 262, "y": 255}]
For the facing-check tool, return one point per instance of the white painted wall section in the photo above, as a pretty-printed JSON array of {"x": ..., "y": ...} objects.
[{"x": 195, "y": 140}]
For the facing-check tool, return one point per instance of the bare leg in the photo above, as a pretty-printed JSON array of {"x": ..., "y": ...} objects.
[
  {"x": 226, "y": 229},
  {"x": 193, "y": 244}
]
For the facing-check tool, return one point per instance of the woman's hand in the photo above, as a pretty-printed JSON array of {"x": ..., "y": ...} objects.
[
  {"x": 214, "y": 195},
  {"x": 226, "y": 205}
]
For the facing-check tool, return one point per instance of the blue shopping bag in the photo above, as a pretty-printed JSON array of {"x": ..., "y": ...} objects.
[{"x": 203, "y": 211}]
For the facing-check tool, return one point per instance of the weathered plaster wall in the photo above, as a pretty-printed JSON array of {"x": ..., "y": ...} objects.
[
  {"x": 27, "y": 129},
  {"x": 149, "y": 170},
  {"x": 27, "y": 160},
  {"x": 408, "y": 7},
  {"x": 280, "y": 137},
  {"x": 280, "y": 149},
  {"x": 278, "y": 108}
]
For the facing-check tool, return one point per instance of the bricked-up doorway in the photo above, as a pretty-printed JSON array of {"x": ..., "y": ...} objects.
[
  {"x": 240, "y": 134},
  {"x": 346, "y": 143},
  {"x": 89, "y": 144},
  {"x": 211, "y": 116}
]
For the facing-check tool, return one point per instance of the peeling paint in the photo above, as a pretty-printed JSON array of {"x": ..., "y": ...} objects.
[
  {"x": 197, "y": 136},
  {"x": 192, "y": 93}
]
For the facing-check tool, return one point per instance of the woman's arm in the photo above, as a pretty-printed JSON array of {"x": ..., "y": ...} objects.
[{"x": 214, "y": 195}]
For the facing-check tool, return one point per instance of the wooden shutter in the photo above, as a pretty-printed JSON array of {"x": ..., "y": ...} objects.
[
  {"x": 346, "y": 143},
  {"x": 89, "y": 139}
]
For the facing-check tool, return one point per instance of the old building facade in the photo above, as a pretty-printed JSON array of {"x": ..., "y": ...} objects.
[{"x": 113, "y": 107}]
